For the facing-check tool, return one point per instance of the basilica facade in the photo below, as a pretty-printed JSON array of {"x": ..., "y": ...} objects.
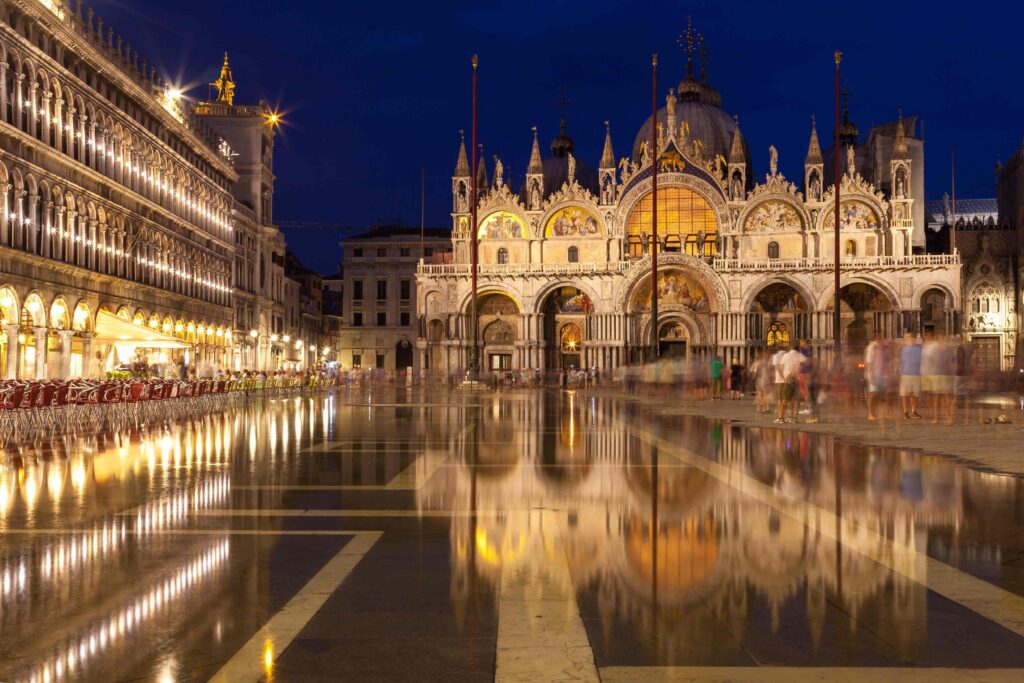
[{"x": 745, "y": 261}]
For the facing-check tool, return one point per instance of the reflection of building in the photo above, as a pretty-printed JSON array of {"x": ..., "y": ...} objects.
[
  {"x": 739, "y": 257},
  {"x": 116, "y": 198},
  {"x": 379, "y": 294},
  {"x": 659, "y": 544}
]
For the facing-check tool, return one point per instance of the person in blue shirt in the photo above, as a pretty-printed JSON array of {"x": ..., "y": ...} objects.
[{"x": 910, "y": 376}]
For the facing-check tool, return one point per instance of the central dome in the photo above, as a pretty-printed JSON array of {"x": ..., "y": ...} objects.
[{"x": 698, "y": 105}]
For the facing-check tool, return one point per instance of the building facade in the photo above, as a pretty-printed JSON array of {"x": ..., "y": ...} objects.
[
  {"x": 565, "y": 259},
  {"x": 379, "y": 295},
  {"x": 247, "y": 133},
  {"x": 116, "y": 200}
]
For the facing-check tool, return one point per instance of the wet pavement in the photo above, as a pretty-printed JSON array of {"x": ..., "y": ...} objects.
[{"x": 407, "y": 534}]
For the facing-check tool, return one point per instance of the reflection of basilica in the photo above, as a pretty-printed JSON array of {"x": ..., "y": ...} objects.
[
  {"x": 699, "y": 553},
  {"x": 724, "y": 243}
]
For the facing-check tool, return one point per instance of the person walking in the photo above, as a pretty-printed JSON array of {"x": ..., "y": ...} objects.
[
  {"x": 736, "y": 379},
  {"x": 716, "y": 367},
  {"x": 910, "y": 376},
  {"x": 789, "y": 368},
  {"x": 931, "y": 352},
  {"x": 779, "y": 381},
  {"x": 876, "y": 367}
]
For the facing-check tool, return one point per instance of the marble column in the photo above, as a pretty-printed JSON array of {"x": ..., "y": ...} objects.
[
  {"x": 64, "y": 371},
  {"x": 41, "y": 339},
  {"x": 13, "y": 351},
  {"x": 90, "y": 366}
]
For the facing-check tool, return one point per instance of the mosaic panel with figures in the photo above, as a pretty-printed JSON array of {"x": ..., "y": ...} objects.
[
  {"x": 854, "y": 215},
  {"x": 675, "y": 288},
  {"x": 773, "y": 215},
  {"x": 570, "y": 222},
  {"x": 502, "y": 225}
]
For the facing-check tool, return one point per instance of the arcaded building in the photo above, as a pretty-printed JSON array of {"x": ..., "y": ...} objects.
[
  {"x": 745, "y": 259},
  {"x": 118, "y": 219}
]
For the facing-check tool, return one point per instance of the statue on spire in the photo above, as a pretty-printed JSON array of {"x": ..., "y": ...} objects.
[{"x": 225, "y": 84}]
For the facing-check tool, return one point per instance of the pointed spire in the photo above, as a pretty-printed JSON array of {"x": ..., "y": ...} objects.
[
  {"x": 736, "y": 155},
  {"x": 535, "y": 165},
  {"x": 813, "y": 148},
  {"x": 225, "y": 84},
  {"x": 481, "y": 172},
  {"x": 462, "y": 163},
  {"x": 900, "y": 150},
  {"x": 607, "y": 156}
]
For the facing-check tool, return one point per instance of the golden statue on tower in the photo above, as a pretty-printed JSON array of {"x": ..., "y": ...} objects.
[{"x": 225, "y": 84}]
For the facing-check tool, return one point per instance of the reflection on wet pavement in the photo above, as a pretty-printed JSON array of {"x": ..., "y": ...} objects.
[{"x": 395, "y": 533}]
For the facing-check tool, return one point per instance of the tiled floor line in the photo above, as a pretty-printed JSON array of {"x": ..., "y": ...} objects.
[
  {"x": 541, "y": 636},
  {"x": 994, "y": 603},
  {"x": 256, "y": 658},
  {"x": 809, "y": 674}
]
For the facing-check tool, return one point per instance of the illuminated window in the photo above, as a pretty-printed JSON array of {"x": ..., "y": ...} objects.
[
  {"x": 778, "y": 335},
  {"x": 682, "y": 214},
  {"x": 571, "y": 338}
]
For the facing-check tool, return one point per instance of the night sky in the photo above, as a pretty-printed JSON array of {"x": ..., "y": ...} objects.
[{"x": 373, "y": 92}]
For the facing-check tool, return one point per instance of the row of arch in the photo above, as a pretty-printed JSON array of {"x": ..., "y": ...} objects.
[
  {"x": 37, "y": 102},
  {"x": 41, "y": 217},
  {"x": 32, "y": 311}
]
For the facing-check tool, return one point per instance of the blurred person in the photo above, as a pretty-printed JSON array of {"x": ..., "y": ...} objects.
[
  {"x": 715, "y": 374},
  {"x": 804, "y": 377},
  {"x": 876, "y": 368},
  {"x": 779, "y": 379},
  {"x": 764, "y": 380},
  {"x": 736, "y": 379},
  {"x": 788, "y": 367},
  {"x": 945, "y": 380},
  {"x": 910, "y": 376},
  {"x": 930, "y": 359}
]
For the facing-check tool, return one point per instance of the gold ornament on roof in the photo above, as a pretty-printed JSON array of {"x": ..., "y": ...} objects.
[{"x": 225, "y": 84}]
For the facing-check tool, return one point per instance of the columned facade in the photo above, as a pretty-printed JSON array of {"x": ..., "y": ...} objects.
[{"x": 565, "y": 263}]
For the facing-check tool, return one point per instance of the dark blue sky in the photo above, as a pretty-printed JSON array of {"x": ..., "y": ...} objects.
[{"x": 375, "y": 91}]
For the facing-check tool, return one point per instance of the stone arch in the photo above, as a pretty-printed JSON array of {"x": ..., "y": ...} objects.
[
  {"x": 33, "y": 310},
  {"x": 60, "y": 313},
  {"x": 9, "y": 308},
  {"x": 752, "y": 292},
  {"x": 579, "y": 218},
  {"x": 485, "y": 290},
  {"x": 952, "y": 296},
  {"x": 827, "y": 295},
  {"x": 542, "y": 294},
  {"x": 640, "y": 189},
  {"x": 82, "y": 318},
  {"x": 756, "y": 203},
  {"x": 718, "y": 298}
]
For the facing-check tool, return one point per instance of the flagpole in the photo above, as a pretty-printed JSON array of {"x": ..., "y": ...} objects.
[
  {"x": 837, "y": 154},
  {"x": 423, "y": 199},
  {"x": 655, "y": 244},
  {"x": 473, "y": 350},
  {"x": 952, "y": 226}
]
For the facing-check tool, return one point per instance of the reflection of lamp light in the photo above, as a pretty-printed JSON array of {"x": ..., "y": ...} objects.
[
  {"x": 273, "y": 337},
  {"x": 326, "y": 350},
  {"x": 298, "y": 343},
  {"x": 287, "y": 337},
  {"x": 253, "y": 333}
]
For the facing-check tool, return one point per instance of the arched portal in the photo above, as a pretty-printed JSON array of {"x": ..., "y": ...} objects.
[
  {"x": 497, "y": 317},
  {"x": 865, "y": 311},
  {"x": 565, "y": 310},
  {"x": 778, "y": 316},
  {"x": 403, "y": 355},
  {"x": 435, "y": 351},
  {"x": 673, "y": 340},
  {"x": 935, "y": 311}
]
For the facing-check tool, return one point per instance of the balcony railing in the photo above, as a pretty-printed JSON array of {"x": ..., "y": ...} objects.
[
  {"x": 817, "y": 263},
  {"x": 456, "y": 269},
  {"x": 719, "y": 264}
]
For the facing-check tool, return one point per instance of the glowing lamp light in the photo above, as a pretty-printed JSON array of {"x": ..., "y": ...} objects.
[
  {"x": 326, "y": 350},
  {"x": 273, "y": 119},
  {"x": 6, "y": 301},
  {"x": 287, "y": 337},
  {"x": 298, "y": 343},
  {"x": 273, "y": 337},
  {"x": 253, "y": 333},
  {"x": 174, "y": 94}
]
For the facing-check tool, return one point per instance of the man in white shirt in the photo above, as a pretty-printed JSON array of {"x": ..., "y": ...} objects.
[
  {"x": 787, "y": 368},
  {"x": 775, "y": 363}
]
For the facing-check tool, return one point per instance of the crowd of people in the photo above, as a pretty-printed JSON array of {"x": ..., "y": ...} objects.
[{"x": 918, "y": 377}]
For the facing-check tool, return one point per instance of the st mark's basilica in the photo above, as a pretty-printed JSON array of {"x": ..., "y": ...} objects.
[{"x": 745, "y": 259}]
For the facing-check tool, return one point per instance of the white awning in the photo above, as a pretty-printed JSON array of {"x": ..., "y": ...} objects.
[{"x": 123, "y": 333}]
